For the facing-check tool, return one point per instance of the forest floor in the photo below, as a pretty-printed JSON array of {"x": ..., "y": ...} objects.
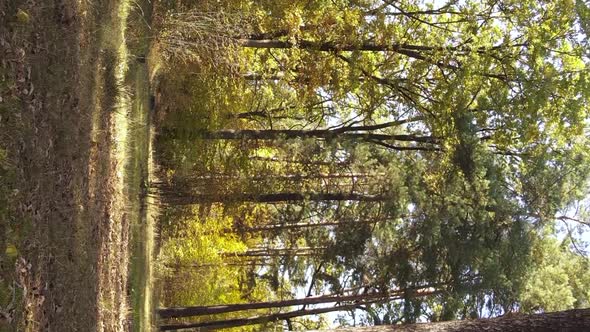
[
  {"x": 66, "y": 119},
  {"x": 140, "y": 172},
  {"x": 141, "y": 210}
]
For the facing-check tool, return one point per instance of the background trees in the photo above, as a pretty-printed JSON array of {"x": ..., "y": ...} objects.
[{"x": 323, "y": 146}]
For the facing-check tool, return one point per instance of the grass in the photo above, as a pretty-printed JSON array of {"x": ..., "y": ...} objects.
[
  {"x": 68, "y": 128},
  {"x": 141, "y": 211},
  {"x": 132, "y": 150},
  {"x": 113, "y": 259},
  {"x": 139, "y": 170}
]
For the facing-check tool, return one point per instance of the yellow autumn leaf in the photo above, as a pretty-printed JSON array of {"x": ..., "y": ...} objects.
[{"x": 23, "y": 17}]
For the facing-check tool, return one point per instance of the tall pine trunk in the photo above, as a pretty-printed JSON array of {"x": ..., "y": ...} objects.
[
  {"x": 179, "y": 198},
  {"x": 274, "y": 134},
  {"x": 180, "y": 312},
  {"x": 223, "y": 324},
  {"x": 412, "y": 51}
]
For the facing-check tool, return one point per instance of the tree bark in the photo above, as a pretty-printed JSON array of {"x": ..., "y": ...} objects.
[
  {"x": 273, "y": 227},
  {"x": 412, "y": 51},
  {"x": 418, "y": 52},
  {"x": 345, "y": 133},
  {"x": 190, "y": 198},
  {"x": 576, "y": 320},
  {"x": 276, "y": 317},
  {"x": 275, "y": 252},
  {"x": 261, "y": 77},
  {"x": 285, "y": 226},
  {"x": 180, "y": 312},
  {"x": 301, "y": 162},
  {"x": 263, "y": 115},
  {"x": 285, "y": 177},
  {"x": 223, "y": 324},
  {"x": 178, "y": 267}
]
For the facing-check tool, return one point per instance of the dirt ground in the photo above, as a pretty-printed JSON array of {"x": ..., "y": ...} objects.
[{"x": 56, "y": 122}]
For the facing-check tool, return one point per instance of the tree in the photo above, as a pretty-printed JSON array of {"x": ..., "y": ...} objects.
[
  {"x": 329, "y": 298},
  {"x": 468, "y": 119},
  {"x": 259, "y": 319},
  {"x": 559, "y": 278},
  {"x": 359, "y": 300},
  {"x": 345, "y": 133},
  {"x": 179, "y": 198}
]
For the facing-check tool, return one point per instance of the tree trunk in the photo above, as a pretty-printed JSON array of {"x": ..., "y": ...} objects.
[
  {"x": 180, "y": 312},
  {"x": 297, "y": 225},
  {"x": 277, "y": 317},
  {"x": 418, "y": 52},
  {"x": 412, "y": 51},
  {"x": 264, "y": 115},
  {"x": 273, "y": 227},
  {"x": 190, "y": 198},
  {"x": 247, "y": 263},
  {"x": 276, "y": 252},
  {"x": 223, "y": 324},
  {"x": 285, "y": 177},
  {"x": 345, "y": 133},
  {"x": 261, "y": 77},
  {"x": 576, "y": 320},
  {"x": 301, "y": 162}
]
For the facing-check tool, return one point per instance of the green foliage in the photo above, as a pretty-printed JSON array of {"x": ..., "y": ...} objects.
[
  {"x": 203, "y": 239},
  {"x": 559, "y": 279},
  {"x": 193, "y": 253},
  {"x": 216, "y": 285},
  {"x": 486, "y": 106}
]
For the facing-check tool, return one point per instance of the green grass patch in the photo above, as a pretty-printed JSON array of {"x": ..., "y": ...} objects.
[
  {"x": 141, "y": 243},
  {"x": 137, "y": 172}
]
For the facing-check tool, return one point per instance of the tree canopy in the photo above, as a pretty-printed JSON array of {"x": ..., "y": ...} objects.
[{"x": 364, "y": 147}]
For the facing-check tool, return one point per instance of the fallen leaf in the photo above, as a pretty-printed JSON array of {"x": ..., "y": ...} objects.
[{"x": 22, "y": 16}]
